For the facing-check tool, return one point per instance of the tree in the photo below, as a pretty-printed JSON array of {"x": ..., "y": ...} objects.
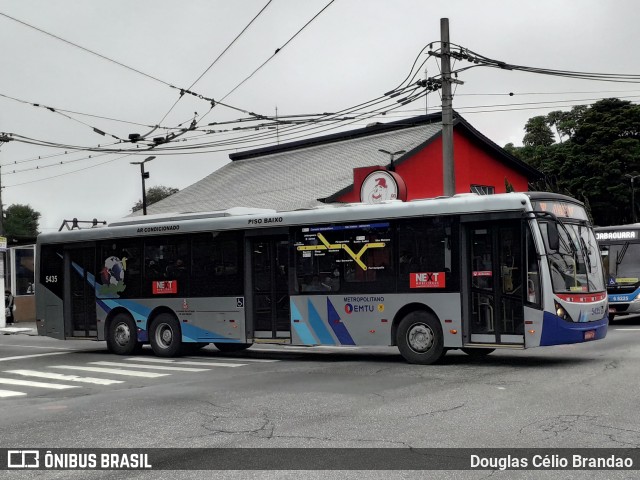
[
  {"x": 155, "y": 194},
  {"x": 602, "y": 145},
  {"x": 537, "y": 132},
  {"x": 20, "y": 223}
]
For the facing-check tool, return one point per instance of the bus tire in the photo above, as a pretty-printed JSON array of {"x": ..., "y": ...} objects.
[
  {"x": 478, "y": 352},
  {"x": 232, "y": 347},
  {"x": 611, "y": 317},
  {"x": 121, "y": 337},
  {"x": 165, "y": 335},
  {"x": 419, "y": 338}
]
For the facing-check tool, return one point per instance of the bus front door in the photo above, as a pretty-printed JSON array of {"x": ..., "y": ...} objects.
[
  {"x": 80, "y": 295},
  {"x": 269, "y": 278},
  {"x": 496, "y": 283}
]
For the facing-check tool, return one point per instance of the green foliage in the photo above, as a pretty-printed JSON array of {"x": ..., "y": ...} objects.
[
  {"x": 597, "y": 146},
  {"x": 537, "y": 132},
  {"x": 508, "y": 186},
  {"x": 20, "y": 223},
  {"x": 155, "y": 194}
]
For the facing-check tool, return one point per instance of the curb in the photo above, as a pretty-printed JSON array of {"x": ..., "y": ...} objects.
[{"x": 18, "y": 331}]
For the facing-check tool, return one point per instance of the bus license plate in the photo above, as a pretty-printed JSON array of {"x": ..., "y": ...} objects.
[
  {"x": 620, "y": 298},
  {"x": 589, "y": 334}
]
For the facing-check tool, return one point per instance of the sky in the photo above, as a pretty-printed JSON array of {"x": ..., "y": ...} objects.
[{"x": 118, "y": 66}]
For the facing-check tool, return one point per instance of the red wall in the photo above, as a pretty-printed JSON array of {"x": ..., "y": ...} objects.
[{"x": 473, "y": 166}]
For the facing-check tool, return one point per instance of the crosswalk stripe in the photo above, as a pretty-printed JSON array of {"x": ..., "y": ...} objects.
[
  {"x": 165, "y": 361},
  {"x": 22, "y": 357},
  {"x": 62, "y": 376},
  {"x": 150, "y": 367},
  {"x": 114, "y": 371},
  {"x": 29, "y": 383},
  {"x": 11, "y": 393}
]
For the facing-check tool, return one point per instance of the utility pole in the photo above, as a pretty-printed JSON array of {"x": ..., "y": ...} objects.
[
  {"x": 633, "y": 196},
  {"x": 448, "y": 169},
  {"x": 3, "y": 318},
  {"x": 3, "y": 139}
]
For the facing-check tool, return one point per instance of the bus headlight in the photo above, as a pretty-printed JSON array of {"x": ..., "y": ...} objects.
[{"x": 562, "y": 313}]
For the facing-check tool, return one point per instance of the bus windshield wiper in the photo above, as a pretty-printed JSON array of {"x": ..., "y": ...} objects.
[{"x": 620, "y": 255}]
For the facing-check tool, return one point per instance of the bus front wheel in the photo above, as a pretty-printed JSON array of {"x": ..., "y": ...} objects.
[
  {"x": 419, "y": 338},
  {"x": 121, "y": 337},
  {"x": 232, "y": 347},
  {"x": 165, "y": 335}
]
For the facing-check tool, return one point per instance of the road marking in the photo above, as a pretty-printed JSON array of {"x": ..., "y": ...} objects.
[
  {"x": 62, "y": 376},
  {"x": 173, "y": 362},
  {"x": 28, "y": 383},
  {"x": 150, "y": 367},
  {"x": 21, "y": 357},
  {"x": 114, "y": 371},
  {"x": 49, "y": 348},
  {"x": 11, "y": 393},
  {"x": 627, "y": 329}
]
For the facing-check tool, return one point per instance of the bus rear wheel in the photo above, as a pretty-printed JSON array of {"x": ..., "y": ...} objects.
[
  {"x": 419, "y": 338},
  {"x": 165, "y": 335},
  {"x": 232, "y": 347},
  {"x": 121, "y": 337}
]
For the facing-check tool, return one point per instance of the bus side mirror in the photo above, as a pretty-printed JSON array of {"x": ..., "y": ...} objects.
[{"x": 553, "y": 236}]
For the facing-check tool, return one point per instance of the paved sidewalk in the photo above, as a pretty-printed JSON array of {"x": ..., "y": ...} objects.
[{"x": 21, "y": 328}]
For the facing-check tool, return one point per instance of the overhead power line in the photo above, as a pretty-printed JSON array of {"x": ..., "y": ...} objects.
[
  {"x": 278, "y": 50},
  {"x": 217, "y": 58},
  {"x": 135, "y": 70}
]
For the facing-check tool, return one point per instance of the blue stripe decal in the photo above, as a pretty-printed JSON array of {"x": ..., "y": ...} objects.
[
  {"x": 306, "y": 337},
  {"x": 339, "y": 328},
  {"x": 318, "y": 326},
  {"x": 295, "y": 313}
]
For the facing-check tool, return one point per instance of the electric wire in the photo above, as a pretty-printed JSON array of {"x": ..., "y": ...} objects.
[
  {"x": 217, "y": 58},
  {"x": 278, "y": 50}
]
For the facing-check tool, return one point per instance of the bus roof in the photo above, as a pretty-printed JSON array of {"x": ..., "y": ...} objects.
[{"x": 250, "y": 218}]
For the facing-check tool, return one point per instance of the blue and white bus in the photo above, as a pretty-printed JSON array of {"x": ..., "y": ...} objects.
[
  {"x": 620, "y": 249},
  {"x": 470, "y": 272}
]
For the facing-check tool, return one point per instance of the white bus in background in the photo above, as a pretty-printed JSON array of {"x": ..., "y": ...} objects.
[
  {"x": 620, "y": 249},
  {"x": 470, "y": 272}
]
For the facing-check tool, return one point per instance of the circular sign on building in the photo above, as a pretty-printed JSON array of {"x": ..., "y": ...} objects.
[{"x": 382, "y": 185}]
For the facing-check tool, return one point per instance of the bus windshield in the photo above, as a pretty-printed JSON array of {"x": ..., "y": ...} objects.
[
  {"x": 622, "y": 262},
  {"x": 575, "y": 266}
]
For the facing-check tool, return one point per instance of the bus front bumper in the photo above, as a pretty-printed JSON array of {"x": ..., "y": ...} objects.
[{"x": 556, "y": 331}]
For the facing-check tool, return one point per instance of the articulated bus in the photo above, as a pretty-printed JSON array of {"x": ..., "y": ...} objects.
[
  {"x": 620, "y": 249},
  {"x": 470, "y": 272}
]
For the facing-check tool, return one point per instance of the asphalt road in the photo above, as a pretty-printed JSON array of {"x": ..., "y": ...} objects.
[{"x": 574, "y": 396}]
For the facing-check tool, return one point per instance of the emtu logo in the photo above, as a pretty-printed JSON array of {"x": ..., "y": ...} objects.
[
  {"x": 23, "y": 458},
  {"x": 348, "y": 308}
]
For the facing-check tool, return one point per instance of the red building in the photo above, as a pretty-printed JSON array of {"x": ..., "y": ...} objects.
[{"x": 333, "y": 168}]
